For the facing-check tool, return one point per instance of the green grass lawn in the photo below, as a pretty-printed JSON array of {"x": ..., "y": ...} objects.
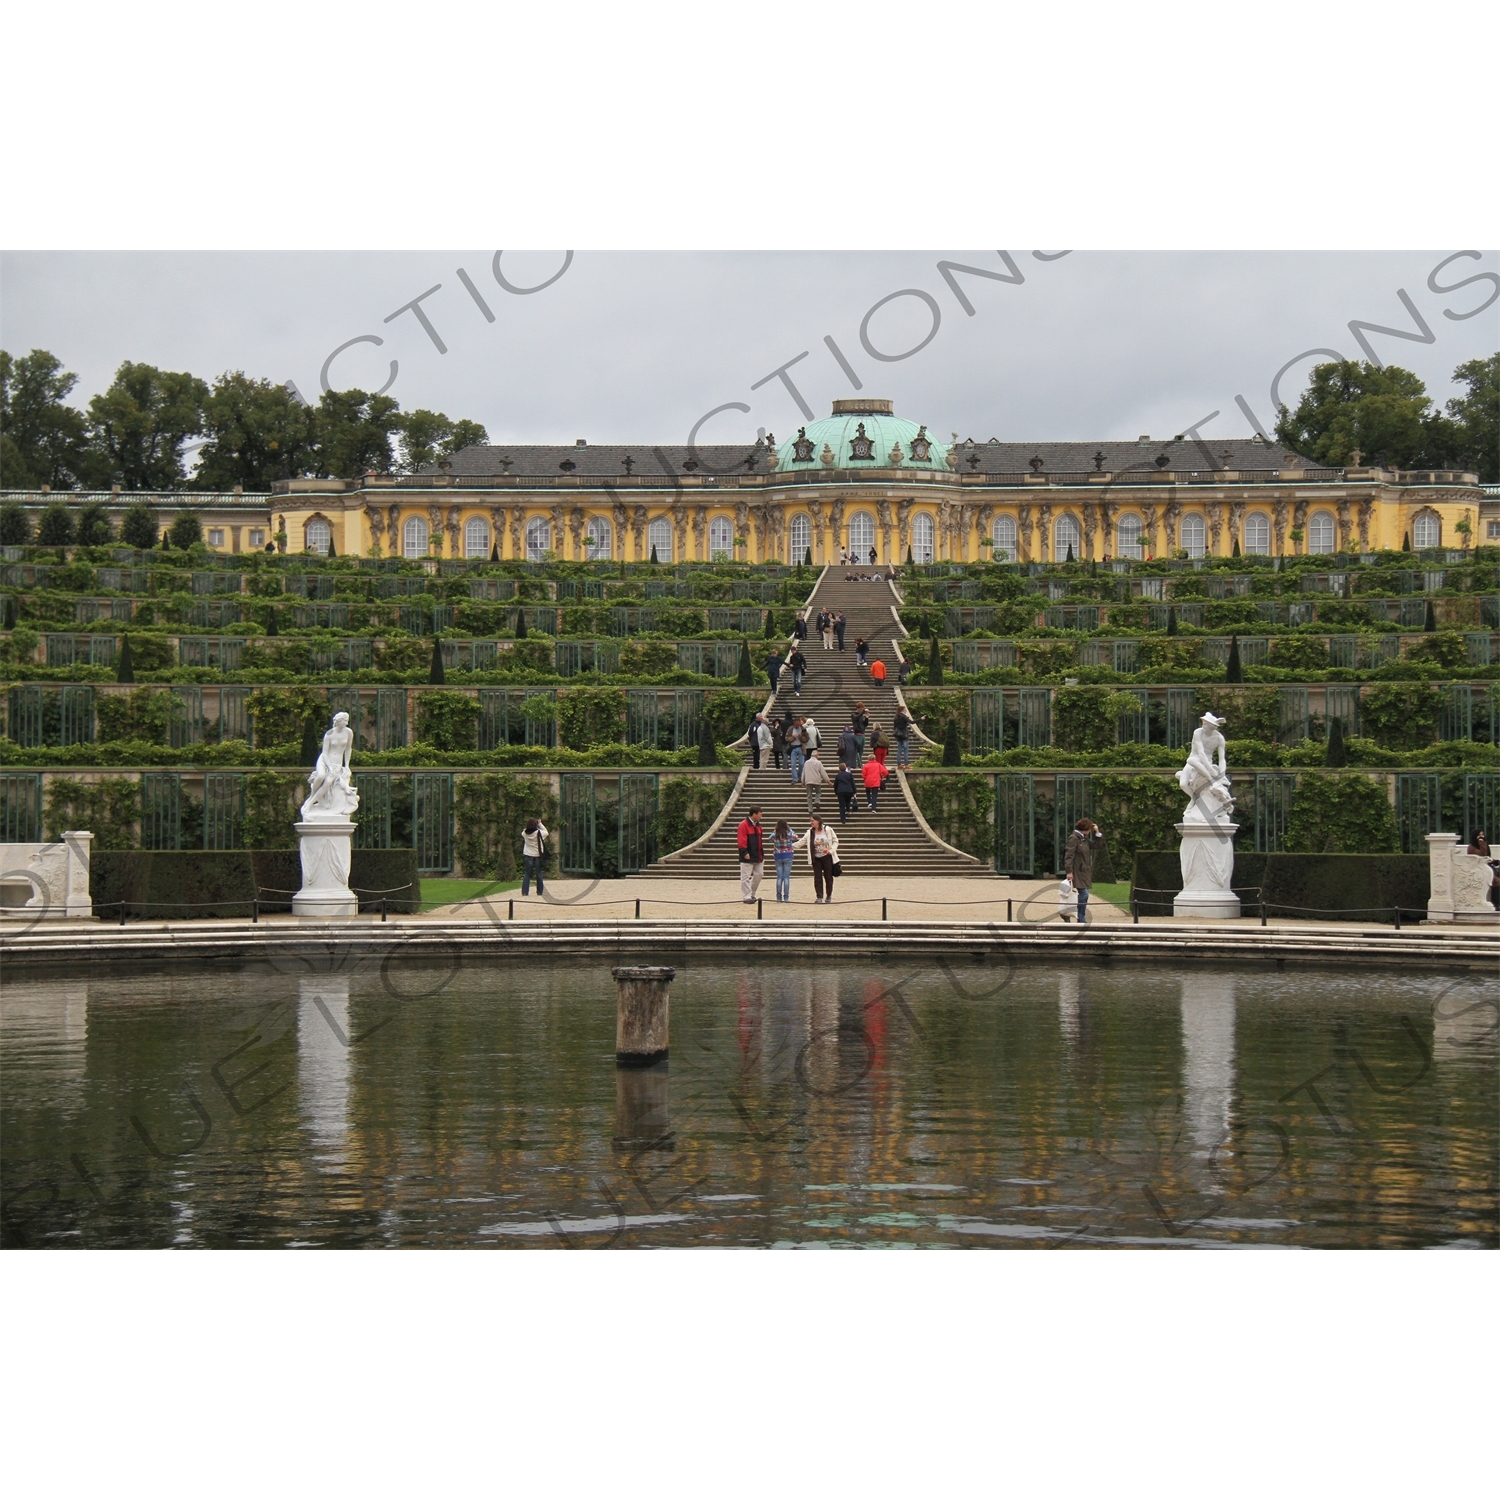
[
  {"x": 445, "y": 892},
  {"x": 1117, "y": 893}
]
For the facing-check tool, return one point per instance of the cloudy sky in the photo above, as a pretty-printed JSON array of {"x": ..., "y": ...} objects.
[{"x": 638, "y": 346}]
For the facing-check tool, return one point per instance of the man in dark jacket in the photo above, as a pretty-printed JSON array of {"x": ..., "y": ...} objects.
[
  {"x": 840, "y": 624},
  {"x": 773, "y": 669},
  {"x": 1084, "y": 843},
  {"x": 798, "y": 664},
  {"x": 851, "y": 747},
  {"x": 844, "y": 790}
]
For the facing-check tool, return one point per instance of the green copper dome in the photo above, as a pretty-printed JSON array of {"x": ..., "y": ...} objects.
[{"x": 860, "y": 435}]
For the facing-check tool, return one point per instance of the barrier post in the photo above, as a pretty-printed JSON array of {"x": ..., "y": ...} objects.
[
  {"x": 383, "y": 901},
  {"x": 1135, "y": 910},
  {"x": 255, "y": 909},
  {"x": 512, "y": 916},
  {"x": 638, "y": 908},
  {"x": 760, "y": 908},
  {"x": 1398, "y": 919},
  {"x": 122, "y": 914},
  {"x": 883, "y": 916},
  {"x": 1008, "y": 916},
  {"x": 1262, "y": 911}
]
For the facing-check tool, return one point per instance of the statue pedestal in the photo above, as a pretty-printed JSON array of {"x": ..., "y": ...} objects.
[
  {"x": 1207, "y": 869},
  {"x": 326, "y": 848}
]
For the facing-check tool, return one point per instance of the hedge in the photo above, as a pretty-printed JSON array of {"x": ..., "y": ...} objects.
[
  {"x": 161, "y": 884},
  {"x": 1356, "y": 887}
]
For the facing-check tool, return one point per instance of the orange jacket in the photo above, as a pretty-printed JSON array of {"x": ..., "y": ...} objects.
[{"x": 874, "y": 773}]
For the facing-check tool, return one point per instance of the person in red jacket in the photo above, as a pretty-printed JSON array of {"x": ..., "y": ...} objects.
[
  {"x": 752, "y": 856},
  {"x": 874, "y": 775}
]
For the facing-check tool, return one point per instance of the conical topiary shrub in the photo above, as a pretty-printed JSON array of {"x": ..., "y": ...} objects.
[
  {"x": 653, "y": 552},
  {"x": 435, "y": 671},
  {"x": 935, "y": 664},
  {"x": 770, "y": 624},
  {"x": 807, "y": 557},
  {"x": 1171, "y": 619},
  {"x": 1236, "y": 551},
  {"x": 272, "y": 628},
  {"x": 1429, "y": 623},
  {"x": 332, "y": 550},
  {"x": 952, "y": 756},
  {"x": 707, "y": 753},
  {"x": 746, "y": 675},
  {"x": 494, "y": 552},
  {"x": 124, "y": 665},
  {"x": 308, "y": 753},
  {"x": 1336, "y": 753},
  {"x": 1406, "y": 541},
  {"x": 1233, "y": 672},
  {"x": 908, "y": 557},
  {"x": 520, "y": 624}
]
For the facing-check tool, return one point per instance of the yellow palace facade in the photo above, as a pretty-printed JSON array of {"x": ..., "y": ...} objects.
[{"x": 868, "y": 482}]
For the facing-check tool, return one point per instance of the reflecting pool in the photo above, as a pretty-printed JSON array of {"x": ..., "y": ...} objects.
[{"x": 803, "y": 1105}]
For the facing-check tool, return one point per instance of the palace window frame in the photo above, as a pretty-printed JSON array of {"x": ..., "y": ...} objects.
[
  {"x": 476, "y": 537},
  {"x": 923, "y": 539},
  {"x": 799, "y": 535},
  {"x": 1005, "y": 537},
  {"x": 1192, "y": 535},
  {"x": 1322, "y": 533},
  {"x": 317, "y": 536},
  {"x": 538, "y": 539},
  {"x": 599, "y": 539},
  {"x": 1130, "y": 537},
  {"x": 1426, "y": 530},
  {"x": 659, "y": 535},
  {"x": 415, "y": 537},
  {"x": 862, "y": 523},
  {"x": 721, "y": 539},
  {"x": 1065, "y": 532},
  {"x": 1257, "y": 539}
]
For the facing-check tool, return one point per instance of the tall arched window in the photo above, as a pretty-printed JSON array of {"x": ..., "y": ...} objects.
[
  {"x": 720, "y": 540},
  {"x": 1190, "y": 535},
  {"x": 600, "y": 536},
  {"x": 1320, "y": 532},
  {"x": 1003, "y": 534},
  {"x": 1128, "y": 537},
  {"x": 921, "y": 539},
  {"x": 414, "y": 537},
  {"x": 861, "y": 535},
  {"x": 1065, "y": 534},
  {"x": 476, "y": 538},
  {"x": 801, "y": 530},
  {"x": 538, "y": 539},
  {"x": 319, "y": 536},
  {"x": 1257, "y": 533},
  {"x": 1426, "y": 531},
  {"x": 659, "y": 540}
]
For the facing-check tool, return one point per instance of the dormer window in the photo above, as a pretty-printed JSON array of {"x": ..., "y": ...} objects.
[
  {"x": 861, "y": 446},
  {"x": 690, "y": 464},
  {"x": 921, "y": 446},
  {"x": 802, "y": 448},
  {"x": 567, "y": 465}
]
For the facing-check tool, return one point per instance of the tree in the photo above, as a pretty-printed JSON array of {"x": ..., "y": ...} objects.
[
  {"x": 272, "y": 628},
  {"x": 435, "y": 671},
  {"x": 15, "y": 525},
  {"x": 935, "y": 664},
  {"x": 141, "y": 423},
  {"x": 952, "y": 756},
  {"x": 138, "y": 526},
  {"x": 520, "y": 624},
  {"x": 1171, "y": 619},
  {"x": 908, "y": 557},
  {"x": 124, "y": 664},
  {"x": 1233, "y": 672},
  {"x": 307, "y": 754},
  {"x": 186, "y": 530},
  {"x": 353, "y": 433},
  {"x": 708, "y": 755},
  {"x": 1429, "y": 623},
  {"x": 55, "y": 529},
  {"x": 653, "y": 552},
  {"x": 770, "y": 624},
  {"x": 42, "y": 439},
  {"x": 1335, "y": 752},
  {"x": 1383, "y": 413},
  {"x": 94, "y": 529},
  {"x": 258, "y": 432},
  {"x": 429, "y": 436},
  {"x": 807, "y": 558},
  {"x": 8, "y": 614},
  {"x": 745, "y": 677},
  {"x": 1475, "y": 418}
]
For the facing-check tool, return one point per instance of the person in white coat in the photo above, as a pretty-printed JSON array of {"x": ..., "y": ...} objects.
[{"x": 822, "y": 845}]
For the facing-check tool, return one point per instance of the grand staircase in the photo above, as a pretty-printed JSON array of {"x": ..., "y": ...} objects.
[{"x": 890, "y": 842}]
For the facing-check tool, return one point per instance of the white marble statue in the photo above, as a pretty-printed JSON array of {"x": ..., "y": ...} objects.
[
  {"x": 331, "y": 797},
  {"x": 1205, "y": 776}
]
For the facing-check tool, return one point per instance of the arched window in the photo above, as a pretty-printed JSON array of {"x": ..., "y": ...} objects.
[
  {"x": 476, "y": 538},
  {"x": 1065, "y": 534},
  {"x": 1003, "y": 534},
  {"x": 1190, "y": 535},
  {"x": 720, "y": 540},
  {"x": 538, "y": 539},
  {"x": 1426, "y": 531},
  {"x": 801, "y": 538},
  {"x": 1320, "y": 532},
  {"x": 921, "y": 539},
  {"x": 1128, "y": 537},
  {"x": 600, "y": 536},
  {"x": 861, "y": 535},
  {"x": 414, "y": 537},
  {"x": 1257, "y": 533},
  {"x": 319, "y": 536},
  {"x": 659, "y": 540}
]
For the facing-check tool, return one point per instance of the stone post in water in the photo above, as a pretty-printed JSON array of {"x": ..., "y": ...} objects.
[{"x": 641, "y": 1016}]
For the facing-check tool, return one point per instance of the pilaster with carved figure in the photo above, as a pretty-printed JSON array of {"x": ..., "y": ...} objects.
[
  {"x": 517, "y": 530},
  {"x": 1346, "y": 526},
  {"x": 558, "y": 515},
  {"x": 376, "y": 522},
  {"x": 883, "y": 516},
  {"x": 1236, "y": 524},
  {"x": 638, "y": 520},
  {"x": 1279, "y": 512},
  {"x": 622, "y": 523},
  {"x": 454, "y": 546},
  {"x": 393, "y": 530},
  {"x": 1090, "y": 529},
  {"x": 497, "y": 529},
  {"x": 1171, "y": 514},
  {"x": 1215, "y": 513},
  {"x": 1024, "y": 524},
  {"x": 1044, "y": 517},
  {"x": 700, "y": 533},
  {"x": 1366, "y": 514},
  {"x": 576, "y": 519},
  {"x": 1148, "y": 529},
  {"x": 434, "y": 527},
  {"x": 815, "y": 511},
  {"x": 835, "y": 525},
  {"x": 1299, "y": 523}
]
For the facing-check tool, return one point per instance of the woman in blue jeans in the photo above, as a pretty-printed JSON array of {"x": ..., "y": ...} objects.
[
  {"x": 783, "y": 847},
  {"x": 533, "y": 855}
]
